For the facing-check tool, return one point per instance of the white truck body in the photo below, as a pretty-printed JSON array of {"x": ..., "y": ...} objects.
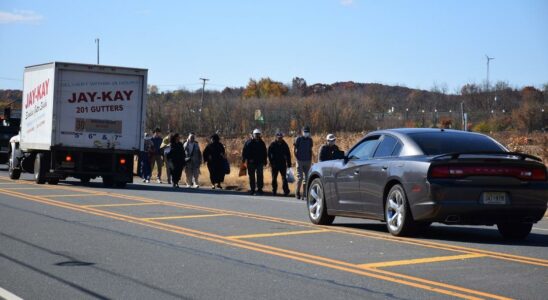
[{"x": 83, "y": 106}]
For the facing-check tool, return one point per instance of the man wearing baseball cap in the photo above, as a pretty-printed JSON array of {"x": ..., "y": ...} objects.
[
  {"x": 329, "y": 150},
  {"x": 280, "y": 159},
  {"x": 254, "y": 156}
]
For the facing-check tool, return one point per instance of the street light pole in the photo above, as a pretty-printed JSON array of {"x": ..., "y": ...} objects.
[{"x": 97, "y": 42}]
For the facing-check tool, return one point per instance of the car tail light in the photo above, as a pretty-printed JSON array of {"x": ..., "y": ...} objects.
[
  {"x": 524, "y": 173},
  {"x": 68, "y": 158},
  {"x": 122, "y": 161}
]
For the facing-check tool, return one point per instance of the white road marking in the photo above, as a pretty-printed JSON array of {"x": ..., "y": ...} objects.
[
  {"x": 537, "y": 228},
  {"x": 4, "y": 294}
]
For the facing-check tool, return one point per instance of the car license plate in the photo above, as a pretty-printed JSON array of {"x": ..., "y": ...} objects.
[{"x": 495, "y": 198}]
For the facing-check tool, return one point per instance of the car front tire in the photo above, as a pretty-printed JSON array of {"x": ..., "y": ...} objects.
[
  {"x": 317, "y": 210},
  {"x": 399, "y": 220},
  {"x": 514, "y": 230}
]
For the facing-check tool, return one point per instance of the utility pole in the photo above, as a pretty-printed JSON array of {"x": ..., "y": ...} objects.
[
  {"x": 97, "y": 42},
  {"x": 488, "y": 60},
  {"x": 202, "y": 104}
]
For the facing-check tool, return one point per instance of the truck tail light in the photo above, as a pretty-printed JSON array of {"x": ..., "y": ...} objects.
[
  {"x": 68, "y": 158},
  {"x": 523, "y": 173}
]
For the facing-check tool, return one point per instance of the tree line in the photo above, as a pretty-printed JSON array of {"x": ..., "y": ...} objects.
[
  {"x": 341, "y": 106},
  {"x": 346, "y": 106}
]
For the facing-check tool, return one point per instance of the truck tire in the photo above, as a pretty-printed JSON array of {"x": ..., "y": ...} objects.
[
  {"x": 40, "y": 168},
  {"x": 108, "y": 181},
  {"x": 84, "y": 180},
  {"x": 53, "y": 181},
  {"x": 13, "y": 173},
  {"x": 120, "y": 184}
]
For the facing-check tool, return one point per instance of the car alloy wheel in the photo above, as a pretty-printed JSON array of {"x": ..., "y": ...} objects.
[
  {"x": 317, "y": 211},
  {"x": 315, "y": 201},
  {"x": 395, "y": 210},
  {"x": 399, "y": 220}
]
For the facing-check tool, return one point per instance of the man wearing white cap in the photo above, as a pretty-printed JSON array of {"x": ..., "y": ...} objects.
[
  {"x": 329, "y": 150},
  {"x": 254, "y": 156}
]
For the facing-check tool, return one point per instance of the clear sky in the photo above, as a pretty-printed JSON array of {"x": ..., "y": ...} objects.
[{"x": 411, "y": 43}]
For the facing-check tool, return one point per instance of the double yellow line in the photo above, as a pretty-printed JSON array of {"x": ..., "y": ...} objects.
[{"x": 433, "y": 286}]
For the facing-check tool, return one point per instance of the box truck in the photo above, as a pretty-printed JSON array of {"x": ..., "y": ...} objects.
[{"x": 79, "y": 120}]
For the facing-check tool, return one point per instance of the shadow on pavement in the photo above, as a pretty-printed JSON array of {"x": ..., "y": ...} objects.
[{"x": 467, "y": 234}]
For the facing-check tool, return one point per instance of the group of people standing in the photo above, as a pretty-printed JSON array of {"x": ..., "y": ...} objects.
[
  {"x": 187, "y": 156},
  {"x": 255, "y": 156},
  {"x": 178, "y": 156}
]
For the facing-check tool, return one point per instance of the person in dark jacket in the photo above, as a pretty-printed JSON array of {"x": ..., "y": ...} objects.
[
  {"x": 254, "y": 155},
  {"x": 214, "y": 155},
  {"x": 329, "y": 150},
  {"x": 175, "y": 158},
  {"x": 303, "y": 154},
  {"x": 280, "y": 159}
]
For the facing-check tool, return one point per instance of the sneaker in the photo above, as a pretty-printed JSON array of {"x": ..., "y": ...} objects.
[
  {"x": 144, "y": 180},
  {"x": 187, "y": 186},
  {"x": 213, "y": 187},
  {"x": 195, "y": 186},
  {"x": 298, "y": 196},
  {"x": 147, "y": 181},
  {"x": 158, "y": 180},
  {"x": 219, "y": 186}
]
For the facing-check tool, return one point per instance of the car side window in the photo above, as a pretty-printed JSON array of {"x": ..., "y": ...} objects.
[
  {"x": 386, "y": 147},
  {"x": 365, "y": 149},
  {"x": 397, "y": 149}
]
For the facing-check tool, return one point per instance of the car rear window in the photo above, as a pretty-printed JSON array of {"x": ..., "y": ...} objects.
[{"x": 434, "y": 143}]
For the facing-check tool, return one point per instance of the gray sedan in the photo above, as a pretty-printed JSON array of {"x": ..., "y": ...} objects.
[{"x": 411, "y": 177}]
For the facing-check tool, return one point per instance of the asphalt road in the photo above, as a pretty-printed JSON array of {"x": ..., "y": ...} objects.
[{"x": 151, "y": 242}]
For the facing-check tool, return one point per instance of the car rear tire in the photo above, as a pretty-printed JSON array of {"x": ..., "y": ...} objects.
[
  {"x": 514, "y": 230},
  {"x": 40, "y": 168},
  {"x": 399, "y": 220},
  {"x": 317, "y": 210}
]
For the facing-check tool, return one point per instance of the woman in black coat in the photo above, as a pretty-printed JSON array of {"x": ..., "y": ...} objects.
[
  {"x": 175, "y": 159},
  {"x": 214, "y": 155}
]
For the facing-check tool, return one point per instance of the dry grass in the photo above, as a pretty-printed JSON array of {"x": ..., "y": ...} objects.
[{"x": 535, "y": 144}]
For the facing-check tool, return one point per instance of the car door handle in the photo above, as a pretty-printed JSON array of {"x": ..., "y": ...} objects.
[
  {"x": 384, "y": 168},
  {"x": 356, "y": 172}
]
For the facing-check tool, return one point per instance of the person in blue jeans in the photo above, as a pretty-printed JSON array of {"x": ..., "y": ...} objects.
[
  {"x": 254, "y": 155},
  {"x": 146, "y": 154}
]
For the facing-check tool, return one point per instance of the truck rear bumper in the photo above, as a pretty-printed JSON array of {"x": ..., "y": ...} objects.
[{"x": 90, "y": 163}]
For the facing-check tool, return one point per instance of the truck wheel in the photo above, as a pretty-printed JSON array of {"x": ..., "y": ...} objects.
[
  {"x": 108, "y": 181},
  {"x": 40, "y": 168},
  {"x": 13, "y": 173},
  {"x": 84, "y": 180},
  {"x": 120, "y": 184},
  {"x": 53, "y": 181}
]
